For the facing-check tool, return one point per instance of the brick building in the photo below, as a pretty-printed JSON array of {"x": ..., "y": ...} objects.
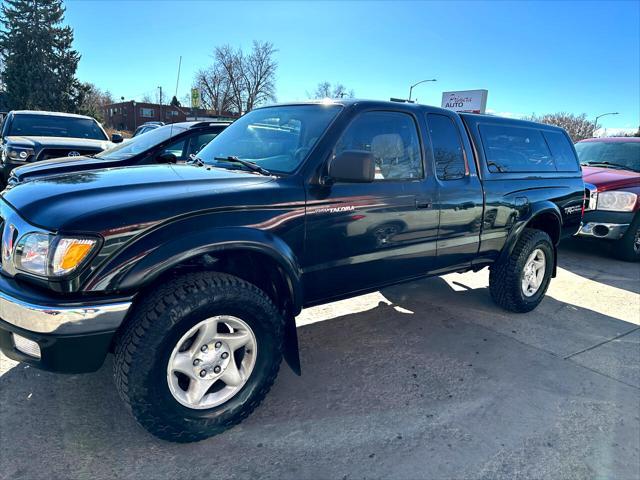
[{"x": 130, "y": 115}]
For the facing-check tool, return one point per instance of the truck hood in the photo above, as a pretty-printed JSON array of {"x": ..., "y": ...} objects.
[
  {"x": 59, "y": 142},
  {"x": 113, "y": 198},
  {"x": 60, "y": 165},
  {"x": 610, "y": 178}
]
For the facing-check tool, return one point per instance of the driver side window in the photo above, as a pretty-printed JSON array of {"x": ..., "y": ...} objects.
[
  {"x": 176, "y": 148},
  {"x": 392, "y": 139}
]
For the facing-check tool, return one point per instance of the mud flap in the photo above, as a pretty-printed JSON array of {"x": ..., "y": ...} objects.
[{"x": 291, "y": 353}]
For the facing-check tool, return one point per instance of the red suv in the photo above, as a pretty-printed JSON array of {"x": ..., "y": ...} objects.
[{"x": 611, "y": 170}]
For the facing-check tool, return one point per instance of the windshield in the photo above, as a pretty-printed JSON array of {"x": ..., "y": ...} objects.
[
  {"x": 622, "y": 154},
  {"x": 276, "y": 138},
  {"x": 141, "y": 143},
  {"x": 56, "y": 126}
]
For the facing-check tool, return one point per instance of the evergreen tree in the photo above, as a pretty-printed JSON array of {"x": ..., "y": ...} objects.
[{"x": 38, "y": 58}]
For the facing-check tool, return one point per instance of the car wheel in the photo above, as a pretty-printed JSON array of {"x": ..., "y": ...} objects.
[
  {"x": 198, "y": 355},
  {"x": 628, "y": 247},
  {"x": 519, "y": 283}
]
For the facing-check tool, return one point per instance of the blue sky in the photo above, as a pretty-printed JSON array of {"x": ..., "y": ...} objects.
[{"x": 533, "y": 57}]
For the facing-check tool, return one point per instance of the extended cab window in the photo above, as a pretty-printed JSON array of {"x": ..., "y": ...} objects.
[
  {"x": 515, "y": 149},
  {"x": 392, "y": 138},
  {"x": 563, "y": 154},
  {"x": 447, "y": 148}
]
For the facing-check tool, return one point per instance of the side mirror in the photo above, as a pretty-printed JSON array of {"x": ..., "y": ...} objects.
[
  {"x": 352, "y": 166},
  {"x": 166, "y": 157},
  {"x": 116, "y": 138}
]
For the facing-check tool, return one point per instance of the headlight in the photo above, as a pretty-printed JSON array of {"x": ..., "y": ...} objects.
[
  {"x": 50, "y": 255},
  {"x": 616, "y": 201},
  {"x": 19, "y": 153}
]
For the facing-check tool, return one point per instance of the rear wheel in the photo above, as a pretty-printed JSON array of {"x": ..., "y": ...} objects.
[
  {"x": 628, "y": 247},
  {"x": 519, "y": 282},
  {"x": 198, "y": 355}
]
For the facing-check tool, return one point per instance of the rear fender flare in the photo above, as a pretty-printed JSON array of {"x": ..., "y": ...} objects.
[{"x": 524, "y": 221}]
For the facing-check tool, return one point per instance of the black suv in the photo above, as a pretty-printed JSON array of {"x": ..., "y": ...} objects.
[
  {"x": 31, "y": 136},
  {"x": 193, "y": 274},
  {"x": 174, "y": 143}
]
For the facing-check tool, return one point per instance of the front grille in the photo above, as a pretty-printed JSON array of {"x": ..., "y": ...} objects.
[{"x": 48, "y": 153}]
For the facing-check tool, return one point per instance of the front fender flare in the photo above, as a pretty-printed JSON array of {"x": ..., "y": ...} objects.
[{"x": 138, "y": 265}]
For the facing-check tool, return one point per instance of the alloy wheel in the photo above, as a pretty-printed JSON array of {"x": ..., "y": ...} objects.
[{"x": 211, "y": 362}]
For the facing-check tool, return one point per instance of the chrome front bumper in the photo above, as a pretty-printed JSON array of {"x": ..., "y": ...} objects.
[
  {"x": 608, "y": 231},
  {"x": 65, "y": 320}
]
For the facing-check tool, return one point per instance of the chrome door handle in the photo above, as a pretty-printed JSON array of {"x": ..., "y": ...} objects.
[{"x": 423, "y": 204}]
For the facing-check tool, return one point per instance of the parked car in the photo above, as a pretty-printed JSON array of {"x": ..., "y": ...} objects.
[
  {"x": 29, "y": 136},
  {"x": 169, "y": 144},
  {"x": 612, "y": 167},
  {"x": 147, "y": 127},
  {"x": 193, "y": 274}
]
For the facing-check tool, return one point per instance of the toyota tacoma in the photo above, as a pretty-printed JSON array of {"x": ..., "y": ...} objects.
[{"x": 192, "y": 274}]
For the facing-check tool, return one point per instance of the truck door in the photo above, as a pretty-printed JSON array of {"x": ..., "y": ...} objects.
[
  {"x": 359, "y": 236},
  {"x": 460, "y": 195}
]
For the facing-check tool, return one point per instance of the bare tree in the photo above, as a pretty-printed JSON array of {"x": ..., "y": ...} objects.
[
  {"x": 230, "y": 62},
  {"x": 237, "y": 82},
  {"x": 326, "y": 90},
  {"x": 577, "y": 126},
  {"x": 94, "y": 101},
  {"x": 259, "y": 74},
  {"x": 323, "y": 90},
  {"x": 215, "y": 93},
  {"x": 146, "y": 98}
]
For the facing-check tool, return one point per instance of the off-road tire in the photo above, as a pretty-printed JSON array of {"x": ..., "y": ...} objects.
[
  {"x": 624, "y": 248},
  {"x": 159, "y": 319},
  {"x": 505, "y": 277}
]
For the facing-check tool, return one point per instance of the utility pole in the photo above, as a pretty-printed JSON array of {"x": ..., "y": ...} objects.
[{"x": 160, "y": 88}]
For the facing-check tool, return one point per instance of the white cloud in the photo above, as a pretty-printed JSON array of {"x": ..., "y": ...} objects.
[
  {"x": 491, "y": 111},
  {"x": 610, "y": 132}
]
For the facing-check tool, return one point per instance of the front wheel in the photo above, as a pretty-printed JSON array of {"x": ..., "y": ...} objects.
[
  {"x": 518, "y": 283},
  {"x": 198, "y": 355},
  {"x": 628, "y": 247}
]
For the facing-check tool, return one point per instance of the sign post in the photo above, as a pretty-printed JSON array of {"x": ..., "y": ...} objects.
[
  {"x": 471, "y": 101},
  {"x": 195, "y": 101}
]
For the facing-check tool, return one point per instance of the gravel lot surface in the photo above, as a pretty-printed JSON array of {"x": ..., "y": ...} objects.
[{"x": 425, "y": 380}]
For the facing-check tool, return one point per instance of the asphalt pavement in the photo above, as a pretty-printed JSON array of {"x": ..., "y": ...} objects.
[{"x": 424, "y": 380}]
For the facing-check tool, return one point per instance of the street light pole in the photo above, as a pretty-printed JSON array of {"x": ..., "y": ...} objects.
[
  {"x": 416, "y": 84},
  {"x": 595, "y": 124}
]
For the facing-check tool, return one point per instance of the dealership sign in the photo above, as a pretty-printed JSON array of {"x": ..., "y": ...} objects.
[{"x": 474, "y": 101}]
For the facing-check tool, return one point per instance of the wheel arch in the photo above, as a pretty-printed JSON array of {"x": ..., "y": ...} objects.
[
  {"x": 544, "y": 216},
  {"x": 253, "y": 255}
]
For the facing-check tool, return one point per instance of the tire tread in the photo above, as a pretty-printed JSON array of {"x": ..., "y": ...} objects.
[{"x": 137, "y": 336}]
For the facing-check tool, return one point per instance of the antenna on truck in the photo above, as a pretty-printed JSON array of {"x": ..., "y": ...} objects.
[{"x": 176, "y": 92}]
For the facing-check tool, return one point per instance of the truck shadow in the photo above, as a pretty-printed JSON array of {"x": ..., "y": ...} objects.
[{"x": 361, "y": 372}]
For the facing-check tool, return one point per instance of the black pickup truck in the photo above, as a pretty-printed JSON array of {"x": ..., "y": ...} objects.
[{"x": 193, "y": 274}]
